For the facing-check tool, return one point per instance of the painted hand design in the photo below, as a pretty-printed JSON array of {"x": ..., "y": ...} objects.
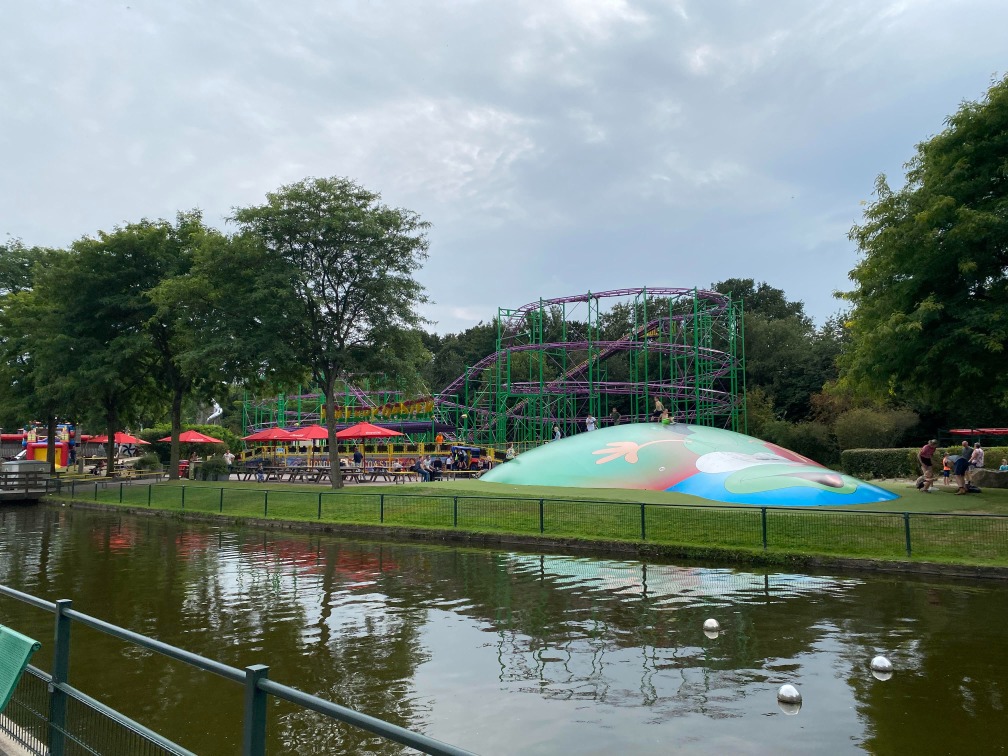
[{"x": 626, "y": 449}]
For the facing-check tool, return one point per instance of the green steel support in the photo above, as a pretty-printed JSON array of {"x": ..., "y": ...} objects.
[
  {"x": 254, "y": 726},
  {"x": 60, "y": 670}
]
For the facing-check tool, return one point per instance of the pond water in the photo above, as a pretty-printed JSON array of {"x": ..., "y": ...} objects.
[{"x": 503, "y": 653}]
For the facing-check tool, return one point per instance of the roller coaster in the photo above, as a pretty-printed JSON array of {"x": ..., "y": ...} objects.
[{"x": 559, "y": 360}]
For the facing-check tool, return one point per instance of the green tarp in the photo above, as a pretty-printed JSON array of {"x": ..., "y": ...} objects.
[{"x": 15, "y": 651}]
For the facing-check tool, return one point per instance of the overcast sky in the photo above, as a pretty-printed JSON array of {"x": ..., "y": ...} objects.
[{"x": 557, "y": 146}]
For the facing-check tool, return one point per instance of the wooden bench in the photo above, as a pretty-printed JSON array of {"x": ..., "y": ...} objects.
[{"x": 462, "y": 473}]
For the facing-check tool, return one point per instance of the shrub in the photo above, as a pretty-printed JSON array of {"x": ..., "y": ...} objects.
[
  {"x": 865, "y": 428},
  {"x": 902, "y": 463},
  {"x": 880, "y": 463},
  {"x": 148, "y": 462},
  {"x": 810, "y": 439},
  {"x": 212, "y": 468},
  {"x": 759, "y": 411}
]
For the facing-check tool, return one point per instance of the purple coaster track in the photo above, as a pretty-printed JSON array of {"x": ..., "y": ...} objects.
[{"x": 704, "y": 391}]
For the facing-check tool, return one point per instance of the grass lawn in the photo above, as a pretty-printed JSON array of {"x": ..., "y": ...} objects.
[{"x": 937, "y": 531}]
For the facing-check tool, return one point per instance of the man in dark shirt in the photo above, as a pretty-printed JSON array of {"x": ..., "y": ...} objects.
[{"x": 959, "y": 471}]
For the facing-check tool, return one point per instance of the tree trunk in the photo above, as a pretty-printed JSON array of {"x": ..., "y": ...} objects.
[
  {"x": 51, "y": 443},
  {"x": 335, "y": 471},
  {"x": 111, "y": 420},
  {"x": 176, "y": 429}
]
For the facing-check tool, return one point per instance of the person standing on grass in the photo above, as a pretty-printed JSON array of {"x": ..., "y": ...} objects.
[
  {"x": 976, "y": 458},
  {"x": 927, "y": 468},
  {"x": 959, "y": 472}
]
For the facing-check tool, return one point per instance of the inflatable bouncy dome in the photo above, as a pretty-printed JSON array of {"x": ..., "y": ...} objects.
[{"x": 712, "y": 463}]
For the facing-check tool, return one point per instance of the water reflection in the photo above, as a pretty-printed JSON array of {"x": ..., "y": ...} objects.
[{"x": 507, "y": 652}]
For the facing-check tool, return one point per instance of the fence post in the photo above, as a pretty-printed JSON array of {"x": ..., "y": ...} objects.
[
  {"x": 96, "y": 490},
  {"x": 254, "y": 727},
  {"x": 60, "y": 669},
  {"x": 222, "y": 500},
  {"x": 120, "y": 491},
  {"x": 381, "y": 507},
  {"x": 542, "y": 516},
  {"x": 150, "y": 488},
  {"x": 320, "y": 505},
  {"x": 266, "y": 504},
  {"x": 906, "y": 532},
  {"x": 643, "y": 529},
  {"x": 763, "y": 519},
  {"x": 73, "y": 485},
  {"x": 455, "y": 512}
]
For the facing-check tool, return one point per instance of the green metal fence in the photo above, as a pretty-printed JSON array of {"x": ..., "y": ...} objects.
[
  {"x": 47, "y": 715},
  {"x": 890, "y": 535}
]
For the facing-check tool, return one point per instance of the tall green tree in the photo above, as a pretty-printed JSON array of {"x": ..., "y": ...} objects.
[
  {"x": 787, "y": 357},
  {"x": 119, "y": 344},
  {"x": 181, "y": 365},
  {"x": 348, "y": 263},
  {"x": 33, "y": 382},
  {"x": 929, "y": 324}
]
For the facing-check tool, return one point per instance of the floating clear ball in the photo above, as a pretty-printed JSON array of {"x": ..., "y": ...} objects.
[
  {"x": 711, "y": 628},
  {"x": 789, "y": 699},
  {"x": 881, "y": 668}
]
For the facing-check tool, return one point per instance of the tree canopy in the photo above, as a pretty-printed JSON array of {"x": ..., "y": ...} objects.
[
  {"x": 929, "y": 323},
  {"x": 348, "y": 263}
]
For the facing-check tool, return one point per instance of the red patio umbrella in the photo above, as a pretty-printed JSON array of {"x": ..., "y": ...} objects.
[
  {"x": 366, "y": 430},
  {"x": 119, "y": 438},
  {"x": 271, "y": 434},
  {"x": 311, "y": 433},
  {"x": 194, "y": 437}
]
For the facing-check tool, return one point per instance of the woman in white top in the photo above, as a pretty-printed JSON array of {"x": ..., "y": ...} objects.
[{"x": 977, "y": 458}]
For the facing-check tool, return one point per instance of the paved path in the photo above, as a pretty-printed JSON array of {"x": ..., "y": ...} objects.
[{"x": 10, "y": 748}]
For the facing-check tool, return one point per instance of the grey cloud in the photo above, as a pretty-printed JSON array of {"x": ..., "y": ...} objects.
[{"x": 556, "y": 145}]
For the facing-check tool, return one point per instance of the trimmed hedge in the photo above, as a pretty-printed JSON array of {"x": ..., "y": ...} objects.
[{"x": 902, "y": 463}]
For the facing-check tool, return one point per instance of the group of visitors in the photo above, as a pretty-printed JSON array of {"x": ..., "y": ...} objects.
[
  {"x": 433, "y": 467},
  {"x": 959, "y": 467},
  {"x": 658, "y": 415}
]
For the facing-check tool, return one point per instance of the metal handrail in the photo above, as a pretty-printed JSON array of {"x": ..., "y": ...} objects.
[{"x": 257, "y": 688}]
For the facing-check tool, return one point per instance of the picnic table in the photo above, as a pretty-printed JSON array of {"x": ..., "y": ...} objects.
[
  {"x": 401, "y": 476},
  {"x": 461, "y": 473},
  {"x": 306, "y": 473}
]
